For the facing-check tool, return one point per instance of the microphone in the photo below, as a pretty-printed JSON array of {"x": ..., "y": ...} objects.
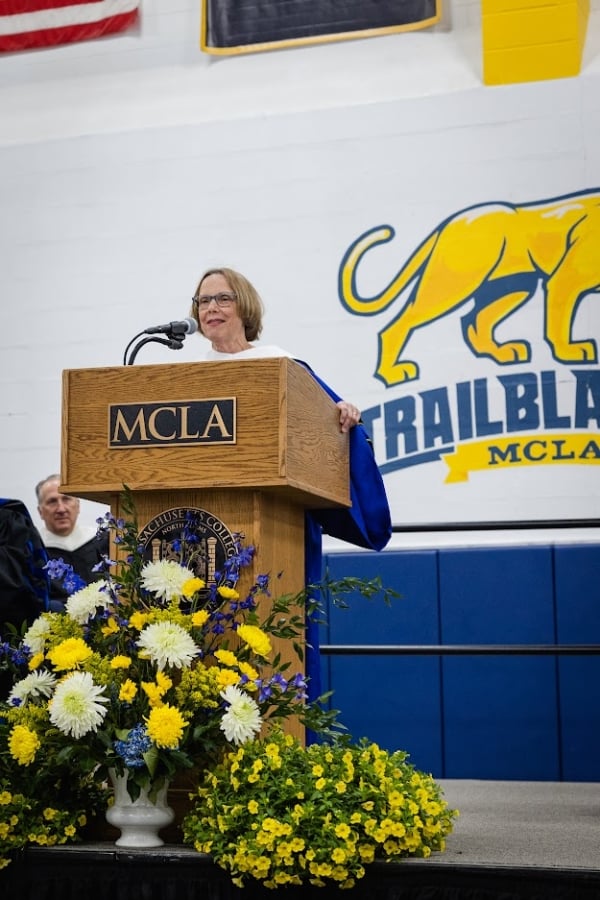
[{"x": 175, "y": 329}]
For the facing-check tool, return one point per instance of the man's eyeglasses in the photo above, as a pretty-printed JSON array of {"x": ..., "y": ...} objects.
[{"x": 223, "y": 300}]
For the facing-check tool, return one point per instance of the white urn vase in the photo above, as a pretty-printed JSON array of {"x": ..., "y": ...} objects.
[{"x": 140, "y": 820}]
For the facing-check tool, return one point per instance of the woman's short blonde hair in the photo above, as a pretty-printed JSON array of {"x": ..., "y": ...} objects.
[{"x": 249, "y": 304}]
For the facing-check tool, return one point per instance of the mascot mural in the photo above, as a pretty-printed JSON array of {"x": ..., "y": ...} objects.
[
  {"x": 494, "y": 257},
  {"x": 495, "y": 254}
]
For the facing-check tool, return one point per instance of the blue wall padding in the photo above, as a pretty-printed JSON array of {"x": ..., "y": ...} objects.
[
  {"x": 490, "y": 717},
  {"x": 393, "y": 700},
  {"x": 500, "y": 712},
  {"x": 578, "y": 622}
]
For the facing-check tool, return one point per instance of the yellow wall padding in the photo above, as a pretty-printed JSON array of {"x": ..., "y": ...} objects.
[{"x": 532, "y": 40}]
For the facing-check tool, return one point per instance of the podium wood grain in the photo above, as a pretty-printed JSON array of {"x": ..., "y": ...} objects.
[{"x": 289, "y": 455}]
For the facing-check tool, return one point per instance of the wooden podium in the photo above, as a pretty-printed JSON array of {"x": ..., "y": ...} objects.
[{"x": 253, "y": 443}]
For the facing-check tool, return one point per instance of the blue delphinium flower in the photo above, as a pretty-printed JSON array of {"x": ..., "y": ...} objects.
[
  {"x": 280, "y": 681},
  {"x": 59, "y": 570},
  {"x": 300, "y": 684}
]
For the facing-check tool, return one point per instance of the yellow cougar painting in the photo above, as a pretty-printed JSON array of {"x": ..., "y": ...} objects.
[{"x": 495, "y": 254}]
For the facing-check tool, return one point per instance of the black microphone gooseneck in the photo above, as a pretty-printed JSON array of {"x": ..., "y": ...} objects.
[{"x": 174, "y": 336}]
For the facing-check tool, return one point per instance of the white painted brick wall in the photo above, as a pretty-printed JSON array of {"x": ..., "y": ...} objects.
[{"x": 109, "y": 209}]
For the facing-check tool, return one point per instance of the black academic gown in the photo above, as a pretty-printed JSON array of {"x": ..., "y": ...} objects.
[{"x": 23, "y": 578}]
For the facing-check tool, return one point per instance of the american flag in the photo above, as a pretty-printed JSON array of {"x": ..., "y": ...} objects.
[{"x": 30, "y": 24}]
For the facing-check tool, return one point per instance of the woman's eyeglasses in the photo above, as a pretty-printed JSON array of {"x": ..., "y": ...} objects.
[{"x": 223, "y": 300}]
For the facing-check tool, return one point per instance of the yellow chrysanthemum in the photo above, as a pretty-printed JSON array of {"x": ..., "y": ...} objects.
[
  {"x": 23, "y": 744},
  {"x": 69, "y": 654},
  {"x": 153, "y": 692},
  {"x": 192, "y": 586},
  {"x": 137, "y": 620},
  {"x": 111, "y": 627},
  {"x": 249, "y": 671},
  {"x": 128, "y": 691},
  {"x": 225, "y": 677},
  {"x": 199, "y": 618},
  {"x": 256, "y": 639},
  {"x": 164, "y": 682},
  {"x": 226, "y": 657},
  {"x": 36, "y": 660},
  {"x": 227, "y": 593},
  {"x": 120, "y": 662},
  {"x": 165, "y": 726}
]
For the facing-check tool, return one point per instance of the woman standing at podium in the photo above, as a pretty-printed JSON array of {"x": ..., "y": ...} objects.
[{"x": 229, "y": 312}]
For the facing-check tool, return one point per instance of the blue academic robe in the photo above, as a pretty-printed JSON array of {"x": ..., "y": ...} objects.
[{"x": 366, "y": 523}]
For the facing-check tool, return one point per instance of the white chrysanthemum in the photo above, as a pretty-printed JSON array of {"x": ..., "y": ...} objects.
[
  {"x": 165, "y": 578},
  {"x": 82, "y": 605},
  {"x": 168, "y": 644},
  {"x": 36, "y": 684},
  {"x": 78, "y": 705},
  {"x": 36, "y": 634},
  {"x": 242, "y": 721}
]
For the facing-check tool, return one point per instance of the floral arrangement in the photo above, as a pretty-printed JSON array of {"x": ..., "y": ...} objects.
[
  {"x": 149, "y": 672},
  {"x": 279, "y": 813}
]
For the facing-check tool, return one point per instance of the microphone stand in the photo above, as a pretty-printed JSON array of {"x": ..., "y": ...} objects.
[{"x": 175, "y": 342}]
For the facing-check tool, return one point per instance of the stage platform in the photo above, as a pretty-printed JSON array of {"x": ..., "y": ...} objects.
[
  {"x": 512, "y": 841},
  {"x": 517, "y": 839}
]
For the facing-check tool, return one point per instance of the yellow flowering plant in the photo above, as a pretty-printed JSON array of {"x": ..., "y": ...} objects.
[
  {"x": 27, "y": 816},
  {"x": 279, "y": 813}
]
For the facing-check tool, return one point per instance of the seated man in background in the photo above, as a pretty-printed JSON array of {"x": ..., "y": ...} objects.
[{"x": 65, "y": 538}]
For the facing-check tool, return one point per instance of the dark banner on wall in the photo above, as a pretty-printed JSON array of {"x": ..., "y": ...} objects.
[{"x": 243, "y": 26}]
